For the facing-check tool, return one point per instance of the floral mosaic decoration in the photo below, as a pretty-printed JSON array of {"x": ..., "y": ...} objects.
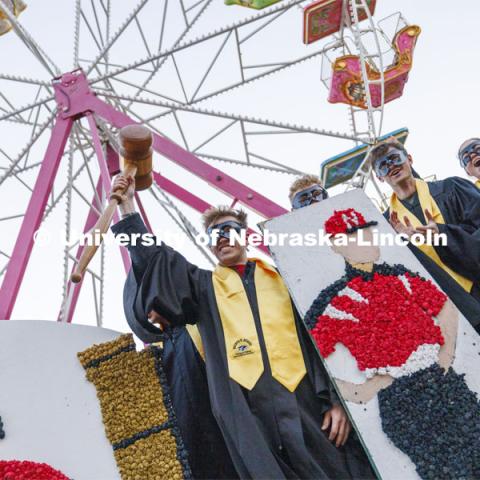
[
  {"x": 26, "y": 470},
  {"x": 386, "y": 319},
  {"x": 137, "y": 411}
]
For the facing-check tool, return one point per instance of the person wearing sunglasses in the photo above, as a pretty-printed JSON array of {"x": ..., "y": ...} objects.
[
  {"x": 270, "y": 394},
  {"x": 306, "y": 190},
  {"x": 182, "y": 360},
  {"x": 451, "y": 207},
  {"x": 469, "y": 157}
]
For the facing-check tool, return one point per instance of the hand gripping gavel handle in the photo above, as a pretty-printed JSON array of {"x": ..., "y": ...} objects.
[
  {"x": 136, "y": 153},
  {"x": 100, "y": 229}
]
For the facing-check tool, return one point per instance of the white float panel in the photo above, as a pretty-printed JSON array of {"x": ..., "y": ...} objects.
[
  {"x": 50, "y": 411},
  {"x": 308, "y": 270}
]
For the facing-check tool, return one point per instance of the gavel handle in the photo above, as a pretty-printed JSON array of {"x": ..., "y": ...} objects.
[{"x": 100, "y": 228}]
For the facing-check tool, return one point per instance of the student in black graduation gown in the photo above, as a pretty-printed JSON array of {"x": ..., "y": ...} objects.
[
  {"x": 182, "y": 363},
  {"x": 469, "y": 157},
  {"x": 269, "y": 392},
  {"x": 451, "y": 207}
]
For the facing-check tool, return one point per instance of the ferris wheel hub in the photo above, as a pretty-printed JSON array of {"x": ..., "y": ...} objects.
[{"x": 71, "y": 93}]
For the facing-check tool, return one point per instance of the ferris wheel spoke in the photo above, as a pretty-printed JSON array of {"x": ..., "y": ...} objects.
[
  {"x": 147, "y": 123},
  {"x": 246, "y": 80},
  {"x": 97, "y": 23},
  {"x": 16, "y": 118},
  {"x": 278, "y": 164},
  {"x": 14, "y": 163},
  {"x": 28, "y": 167},
  {"x": 25, "y": 108},
  {"x": 111, "y": 64},
  {"x": 25, "y": 184},
  {"x": 77, "y": 132},
  {"x": 68, "y": 218},
  {"x": 117, "y": 34},
  {"x": 283, "y": 168},
  {"x": 180, "y": 220},
  {"x": 28, "y": 40},
  {"x": 17, "y": 78},
  {"x": 214, "y": 136},
  {"x": 76, "y": 34},
  {"x": 211, "y": 65},
  {"x": 162, "y": 27},
  {"x": 11, "y": 217},
  {"x": 98, "y": 43},
  {"x": 109, "y": 87},
  {"x": 286, "y": 168},
  {"x": 196, "y": 4},
  {"x": 264, "y": 25},
  {"x": 144, "y": 40},
  {"x": 182, "y": 6},
  {"x": 198, "y": 40},
  {"x": 38, "y": 108},
  {"x": 160, "y": 61},
  {"x": 355, "y": 6},
  {"x": 62, "y": 193},
  {"x": 231, "y": 116},
  {"x": 180, "y": 129},
  {"x": 182, "y": 86},
  {"x": 34, "y": 128},
  {"x": 134, "y": 85}
]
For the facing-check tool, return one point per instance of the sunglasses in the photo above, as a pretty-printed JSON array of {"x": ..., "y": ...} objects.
[
  {"x": 223, "y": 230},
  {"x": 393, "y": 159},
  {"x": 308, "y": 196},
  {"x": 464, "y": 155}
]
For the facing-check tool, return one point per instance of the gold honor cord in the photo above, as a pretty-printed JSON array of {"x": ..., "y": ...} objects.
[
  {"x": 244, "y": 357},
  {"x": 427, "y": 202}
]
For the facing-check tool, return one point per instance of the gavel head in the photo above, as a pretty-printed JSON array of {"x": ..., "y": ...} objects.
[{"x": 136, "y": 153}]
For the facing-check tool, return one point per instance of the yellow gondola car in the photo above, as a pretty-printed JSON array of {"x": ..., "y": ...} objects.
[{"x": 16, "y": 7}]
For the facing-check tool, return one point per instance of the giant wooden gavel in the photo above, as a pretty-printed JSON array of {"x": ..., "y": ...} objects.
[{"x": 135, "y": 161}]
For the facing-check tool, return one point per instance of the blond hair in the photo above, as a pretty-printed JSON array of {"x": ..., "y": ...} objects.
[
  {"x": 212, "y": 214},
  {"x": 303, "y": 182}
]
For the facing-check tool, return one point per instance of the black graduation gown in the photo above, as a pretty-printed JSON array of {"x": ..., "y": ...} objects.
[
  {"x": 185, "y": 371},
  {"x": 270, "y": 432},
  {"x": 459, "y": 202}
]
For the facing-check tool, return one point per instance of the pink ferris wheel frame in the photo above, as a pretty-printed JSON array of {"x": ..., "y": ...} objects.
[{"x": 75, "y": 99}]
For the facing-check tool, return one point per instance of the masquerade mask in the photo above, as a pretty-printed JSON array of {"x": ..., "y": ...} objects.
[
  {"x": 394, "y": 158},
  {"x": 224, "y": 229},
  {"x": 308, "y": 196},
  {"x": 464, "y": 155}
]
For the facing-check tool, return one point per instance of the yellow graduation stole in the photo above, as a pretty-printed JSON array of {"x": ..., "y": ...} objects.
[
  {"x": 196, "y": 339},
  {"x": 244, "y": 357},
  {"x": 427, "y": 202},
  {"x": 477, "y": 183}
]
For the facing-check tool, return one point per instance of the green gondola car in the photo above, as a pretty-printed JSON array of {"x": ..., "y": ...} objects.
[{"x": 258, "y": 4}]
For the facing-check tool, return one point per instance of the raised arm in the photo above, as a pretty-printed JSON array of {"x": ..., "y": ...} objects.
[
  {"x": 162, "y": 283},
  {"x": 132, "y": 226}
]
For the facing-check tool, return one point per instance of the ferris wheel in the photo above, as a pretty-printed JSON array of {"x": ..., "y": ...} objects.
[{"x": 221, "y": 86}]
